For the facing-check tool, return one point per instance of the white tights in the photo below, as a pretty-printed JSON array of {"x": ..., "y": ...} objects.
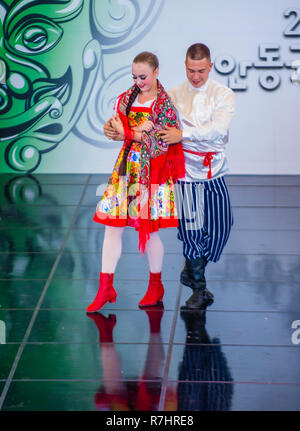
[{"x": 112, "y": 249}]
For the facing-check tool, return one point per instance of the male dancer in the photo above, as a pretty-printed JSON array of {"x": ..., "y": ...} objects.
[{"x": 205, "y": 109}]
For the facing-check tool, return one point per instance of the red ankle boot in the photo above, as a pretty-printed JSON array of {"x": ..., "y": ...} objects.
[
  {"x": 106, "y": 293},
  {"x": 155, "y": 291}
]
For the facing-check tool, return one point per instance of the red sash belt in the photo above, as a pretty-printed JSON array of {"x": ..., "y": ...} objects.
[{"x": 206, "y": 161}]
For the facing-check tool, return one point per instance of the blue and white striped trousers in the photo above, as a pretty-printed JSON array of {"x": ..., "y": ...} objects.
[{"x": 205, "y": 218}]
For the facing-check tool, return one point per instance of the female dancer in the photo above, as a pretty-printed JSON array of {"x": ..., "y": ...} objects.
[{"x": 140, "y": 192}]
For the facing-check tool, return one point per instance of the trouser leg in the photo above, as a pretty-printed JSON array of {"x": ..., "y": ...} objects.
[
  {"x": 205, "y": 218},
  {"x": 204, "y": 226}
]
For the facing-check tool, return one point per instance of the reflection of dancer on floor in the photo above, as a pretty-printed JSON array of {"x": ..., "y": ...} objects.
[
  {"x": 203, "y": 361},
  {"x": 140, "y": 192},
  {"x": 116, "y": 394}
]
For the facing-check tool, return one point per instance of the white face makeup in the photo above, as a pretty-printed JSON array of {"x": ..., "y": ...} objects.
[{"x": 144, "y": 77}]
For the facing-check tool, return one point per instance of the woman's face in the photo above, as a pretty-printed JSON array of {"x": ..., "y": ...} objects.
[{"x": 144, "y": 76}]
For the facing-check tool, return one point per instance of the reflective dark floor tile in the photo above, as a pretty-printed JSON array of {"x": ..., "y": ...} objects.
[
  {"x": 26, "y": 265},
  {"x": 263, "y": 180},
  {"x": 61, "y": 179},
  {"x": 84, "y": 219},
  {"x": 266, "y": 397},
  {"x": 195, "y": 396},
  {"x": 231, "y": 267},
  {"x": 234, "y": 363},
  {"x": 270, "y": 218},
  {"x": 239, "y": 267},
  {"x": 7, "y": 356},
  {"x": 98, "y": 179},
  {"x": 23, "y": 186},
  {"x": 25, "y": 239},
  {"x": 240, "y": 242},
  {"x": 45, "y": 178},
  {"x": 64, "y": 194},
  {"x": 19, "y": 189},
  {"x": 15, "y": 324},
  {"x": 265, "y": 196},
  {"x": 131, "y": 266},
  {"x": 16, "y": 293},
  {"x": 264, "y": 241},
  {"x": 34, "y": 216},
  {"x": 46, "y": 194},
  {"x": 218, "y": 396},
  {"x": 251, "y": 296},
  {"x": 76, "y": 326},
  {"x": 80, "y": 293},
  {"x": 29, "y": 191},
  {"x": 83, "y": 396},
  {"x": 94, "y": 193},
  {"x": 91, "y": 239},
  {"x": 107, "y": 361},
  {"x": 240, "y": 327}
]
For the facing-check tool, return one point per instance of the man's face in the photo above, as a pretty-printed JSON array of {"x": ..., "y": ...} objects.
[{"x": 197, "y": 71}]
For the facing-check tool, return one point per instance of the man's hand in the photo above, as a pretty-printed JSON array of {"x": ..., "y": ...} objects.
[
  {"x": 171, "y": 135},
  {"x": 146, "y": 126},
  {"x": 111, "y": 133}
]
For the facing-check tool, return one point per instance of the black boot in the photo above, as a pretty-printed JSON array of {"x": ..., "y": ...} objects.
[
  {"x": 194, "y": 271},
  {"x": 185, "y": 277},
  {"x": 192, "y": 274},
  {"x": 200, "y": 299}
]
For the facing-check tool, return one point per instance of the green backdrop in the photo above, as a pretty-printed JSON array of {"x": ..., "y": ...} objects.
[{"x": 54, "y": 89}]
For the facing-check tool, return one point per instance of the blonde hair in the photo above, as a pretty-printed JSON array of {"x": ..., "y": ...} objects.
[{"x": 147, "y": 57}]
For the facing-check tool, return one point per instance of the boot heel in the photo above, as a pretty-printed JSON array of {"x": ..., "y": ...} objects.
[{"x": 112, "y": 300}]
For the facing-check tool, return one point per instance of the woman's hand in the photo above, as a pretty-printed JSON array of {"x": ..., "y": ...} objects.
[
  {"x": 110, "y": 132},
  {"x": 117, "y": 124},
  {"x": 147, "y": 126}
]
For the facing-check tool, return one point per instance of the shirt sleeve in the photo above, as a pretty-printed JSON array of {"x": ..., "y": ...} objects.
[
  {"x": 116, "y": 104},
  {"x": 217, "y": 127}
]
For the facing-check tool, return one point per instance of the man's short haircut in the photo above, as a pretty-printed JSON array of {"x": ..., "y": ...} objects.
[{"x": 198, "y": 51}]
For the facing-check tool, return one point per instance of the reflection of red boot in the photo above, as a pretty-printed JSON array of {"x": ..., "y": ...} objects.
[
  {"x": 155, "y": 314},
  {"x": 106, "y": 293},
  {"x": 155, "y": 292},
  {"x": 105, "y": 326},
  {"x": 144, "y": 400}
]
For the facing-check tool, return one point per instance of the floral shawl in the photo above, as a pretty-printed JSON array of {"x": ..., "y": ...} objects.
[{"x": 159, "y": 162}]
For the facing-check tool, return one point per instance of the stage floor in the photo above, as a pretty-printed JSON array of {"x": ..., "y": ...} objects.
[{"x": 242, "y": 354}]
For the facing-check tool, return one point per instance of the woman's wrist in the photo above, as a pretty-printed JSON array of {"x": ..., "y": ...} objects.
[{"x": 138, "y": 136}]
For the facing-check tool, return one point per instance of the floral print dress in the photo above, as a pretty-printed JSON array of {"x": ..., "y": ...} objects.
[{"x": 120, "y": 204}]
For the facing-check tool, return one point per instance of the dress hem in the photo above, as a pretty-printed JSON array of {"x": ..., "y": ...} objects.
[{"x": 155, "y": 225}]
